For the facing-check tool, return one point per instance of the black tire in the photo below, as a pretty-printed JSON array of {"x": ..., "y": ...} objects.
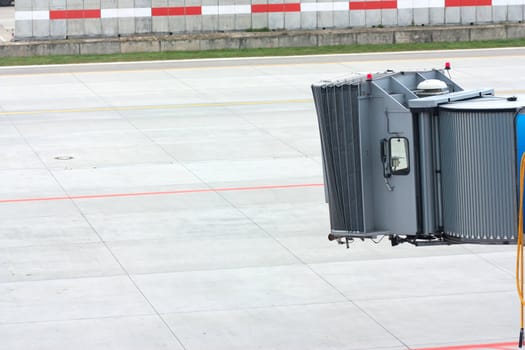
[{"x": 5, "y": 2}]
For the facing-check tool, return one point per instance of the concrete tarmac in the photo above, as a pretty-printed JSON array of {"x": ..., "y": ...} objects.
[{"x": 179, "y": 205}]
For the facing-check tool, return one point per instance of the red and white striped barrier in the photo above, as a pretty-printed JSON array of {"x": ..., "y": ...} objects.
[{"x": 353, "y": 5}]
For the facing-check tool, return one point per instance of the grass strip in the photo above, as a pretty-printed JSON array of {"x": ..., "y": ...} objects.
[{"x": 181, "y": 55}]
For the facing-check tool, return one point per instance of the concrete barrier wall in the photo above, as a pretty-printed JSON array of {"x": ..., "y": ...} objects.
[
  {"x": 242, "y": 40},
  {"x": 60, "y": 19}
]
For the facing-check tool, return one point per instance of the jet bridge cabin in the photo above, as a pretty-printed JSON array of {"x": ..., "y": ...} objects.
[{"x": 413, "y": 156}]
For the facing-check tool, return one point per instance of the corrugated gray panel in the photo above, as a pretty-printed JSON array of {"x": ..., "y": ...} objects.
[
  {"x": 338, "y": 115},
  {"x": 478, "y": 175}
]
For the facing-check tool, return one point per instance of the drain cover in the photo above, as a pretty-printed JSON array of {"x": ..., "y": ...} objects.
[{"x": 63, "y": 157}]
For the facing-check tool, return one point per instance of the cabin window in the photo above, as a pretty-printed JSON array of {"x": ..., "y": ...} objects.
[{"x": 399, "y": 161}]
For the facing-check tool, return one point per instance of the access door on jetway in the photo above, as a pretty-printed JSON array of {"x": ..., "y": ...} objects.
[{"x": 392, "y": 177}]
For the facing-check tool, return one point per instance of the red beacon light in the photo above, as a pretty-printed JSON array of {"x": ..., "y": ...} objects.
[
  {"x": 369, "y": 76},
  {"x": 447, "y": 65}
]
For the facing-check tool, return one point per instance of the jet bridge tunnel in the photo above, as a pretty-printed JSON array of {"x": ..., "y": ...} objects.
[{"x": 413, "y": 156}]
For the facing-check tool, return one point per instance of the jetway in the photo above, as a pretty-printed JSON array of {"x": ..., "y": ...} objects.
[{"x": 415, "y": 157}]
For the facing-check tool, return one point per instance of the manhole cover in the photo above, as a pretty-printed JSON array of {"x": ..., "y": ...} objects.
[{"x": 63, "y": 157}]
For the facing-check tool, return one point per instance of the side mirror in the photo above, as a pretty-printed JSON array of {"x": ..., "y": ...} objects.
[{"x": 399, "y": 156}]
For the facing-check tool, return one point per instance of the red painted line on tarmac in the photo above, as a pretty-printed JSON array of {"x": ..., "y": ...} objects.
[
  {"x": 496, "y": 346},
  {"x": 143, "y": 194}
]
